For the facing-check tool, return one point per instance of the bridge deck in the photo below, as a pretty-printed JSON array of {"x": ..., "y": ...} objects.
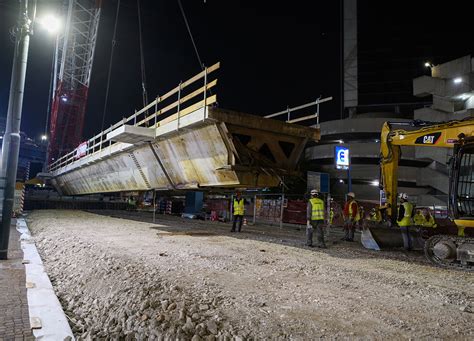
[{"x": 199, "y": 146}]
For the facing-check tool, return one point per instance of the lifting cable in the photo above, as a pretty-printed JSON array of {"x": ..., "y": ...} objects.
[
  {"x": 110, "y": 66},
  {"x": 142, "y": 60},
  {"x": 191, "y": 36}
]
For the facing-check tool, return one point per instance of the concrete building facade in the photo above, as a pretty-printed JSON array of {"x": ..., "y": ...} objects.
[
  {"x": 361, "y": 134},
  {"x": 451, "y": 87},
  {"x": 423, "y": 172}
]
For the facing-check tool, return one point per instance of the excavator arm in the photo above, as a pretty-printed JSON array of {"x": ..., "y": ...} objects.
[{"x": 442, "y": 135}]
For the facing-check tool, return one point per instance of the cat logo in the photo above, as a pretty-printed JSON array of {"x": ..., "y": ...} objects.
[{"x": 428, "y": 139}]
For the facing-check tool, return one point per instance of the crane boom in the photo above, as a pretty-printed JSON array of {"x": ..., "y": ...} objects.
[{"x": 74, "y": 58}]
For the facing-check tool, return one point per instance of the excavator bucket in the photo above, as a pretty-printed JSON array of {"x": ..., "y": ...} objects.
[
  {"x": 381, "y": 237},
  {"x": 368, "y": 240}
]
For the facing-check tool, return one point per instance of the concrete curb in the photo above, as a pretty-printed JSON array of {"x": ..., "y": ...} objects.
[{"x": 47, "y": 317}]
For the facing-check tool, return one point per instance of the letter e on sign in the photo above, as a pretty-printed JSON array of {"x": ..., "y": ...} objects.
[{"x": 341, "y": 156}]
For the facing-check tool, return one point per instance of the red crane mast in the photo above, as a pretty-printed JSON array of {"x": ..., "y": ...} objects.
[{"x": 72, "y": 71}]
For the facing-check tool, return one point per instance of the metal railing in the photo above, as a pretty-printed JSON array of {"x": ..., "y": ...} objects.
[
  {"x": 141, "y": 118},
  {"x": 289, "y": 111}
]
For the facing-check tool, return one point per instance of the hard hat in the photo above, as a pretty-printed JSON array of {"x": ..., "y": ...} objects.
[
  {"x": 404, "y": 196},
  {"x": 351, "y": 194},
  {"x": 314, "y": 191}
]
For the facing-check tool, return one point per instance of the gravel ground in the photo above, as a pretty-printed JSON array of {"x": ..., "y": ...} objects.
[{"x": 193, "y": 280}]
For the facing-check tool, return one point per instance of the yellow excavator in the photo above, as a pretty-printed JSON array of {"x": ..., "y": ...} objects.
[{"x": 451, "y": 251}]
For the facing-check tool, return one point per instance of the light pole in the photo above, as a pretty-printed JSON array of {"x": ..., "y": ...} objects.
[{"x": 11, "y": 139}]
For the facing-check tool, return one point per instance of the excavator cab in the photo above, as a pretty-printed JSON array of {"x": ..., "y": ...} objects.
[
  {"x": 461, "y": 195},
  {"x": 457, "y": 251}
]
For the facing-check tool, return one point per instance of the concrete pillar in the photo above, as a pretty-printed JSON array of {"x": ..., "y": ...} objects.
[
  {"x": 350, "y": 54},
  {"x": 194, "y": 202}
]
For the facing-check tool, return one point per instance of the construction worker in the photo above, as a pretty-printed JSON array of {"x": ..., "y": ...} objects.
[
  {"x": 405, "y": 210},
  {"x": 429, "y": 220},
  {"x": 419, "y": 218},
  {"x": 384, "y": 214},
  {"x": 351, "y": 217},
  {"x": 132, "y": 204},
  {"x": 315, "y": 219},
  {"x": 375, "y": 215},
  {"x": 238, "y": 208},
  {"x": 362, "y": 212},
  {"x": 331, "y": 216}
]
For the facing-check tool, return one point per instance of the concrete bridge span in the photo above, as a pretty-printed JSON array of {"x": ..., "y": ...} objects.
[
  {"x": 226, "y": 149},
  {"x": 200, "y": 146}
]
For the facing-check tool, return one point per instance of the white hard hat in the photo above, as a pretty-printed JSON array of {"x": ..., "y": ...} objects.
[
  {"x": 314, "y": 191},
  {"x": 404, "y": 196},
  {"x": 351, "y": 194}
]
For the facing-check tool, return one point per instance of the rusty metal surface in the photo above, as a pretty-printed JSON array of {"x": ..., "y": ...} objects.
[
  {"x": 263, "y": 124},
  {"x": 201, "y": 153}
]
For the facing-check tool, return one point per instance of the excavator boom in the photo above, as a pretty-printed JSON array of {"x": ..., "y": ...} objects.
[{"x": 440, "y": 135}]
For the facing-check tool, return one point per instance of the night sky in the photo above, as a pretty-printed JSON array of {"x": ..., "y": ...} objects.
[{"x": 272, "y": 54}]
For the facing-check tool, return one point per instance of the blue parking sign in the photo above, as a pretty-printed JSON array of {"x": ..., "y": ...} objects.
[{"x": 341, "y": 157}]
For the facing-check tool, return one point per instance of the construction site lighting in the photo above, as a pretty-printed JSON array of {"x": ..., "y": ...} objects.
[
  {"x": 50, "y": 23},
  {"x": 375, "y": 183},
  {"x": 428, "y": 64},
  {"x": 64, "y": 99},
  {"x": 457, "y": 80},
  {"x": 44, "y": 137}
]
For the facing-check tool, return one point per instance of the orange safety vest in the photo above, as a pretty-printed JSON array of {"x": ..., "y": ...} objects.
[{"x": 357, "y": 216}]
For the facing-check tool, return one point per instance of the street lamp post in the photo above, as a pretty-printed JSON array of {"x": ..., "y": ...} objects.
[{"x": 11, "y": 139}]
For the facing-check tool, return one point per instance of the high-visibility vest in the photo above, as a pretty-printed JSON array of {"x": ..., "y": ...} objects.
[
  {"x": 430, "y": 222},
  {"x": 239, "y": 206},
  {"x": 317, "y": 209},
  {"x": 331, "y": 216},
  {"x": 376, "y": 217},
  {"x": 406, "y": 220},
  {"x": 357, "y": 216},
  {"x": 419, "y": 219}
]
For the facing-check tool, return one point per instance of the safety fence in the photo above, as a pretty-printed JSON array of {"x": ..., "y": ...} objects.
[
  {"x": 160, "y": 111},
  {"x": 273, "y": 209},
  {"x": 266, "y": 208}
]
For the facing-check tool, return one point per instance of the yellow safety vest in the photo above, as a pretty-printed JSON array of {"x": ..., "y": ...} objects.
[
  {"x": 376, "y": 216},
  {"x": 430, "y": 223},
  {"x": 357, "y": 217},
  {"x": 317, "y": 209},
  {"x": 406, "y": 220},
  {"x": 239, "y": 206},
  {"x": 419, "y": 220},
  {"x": 331, "y": 216}
]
